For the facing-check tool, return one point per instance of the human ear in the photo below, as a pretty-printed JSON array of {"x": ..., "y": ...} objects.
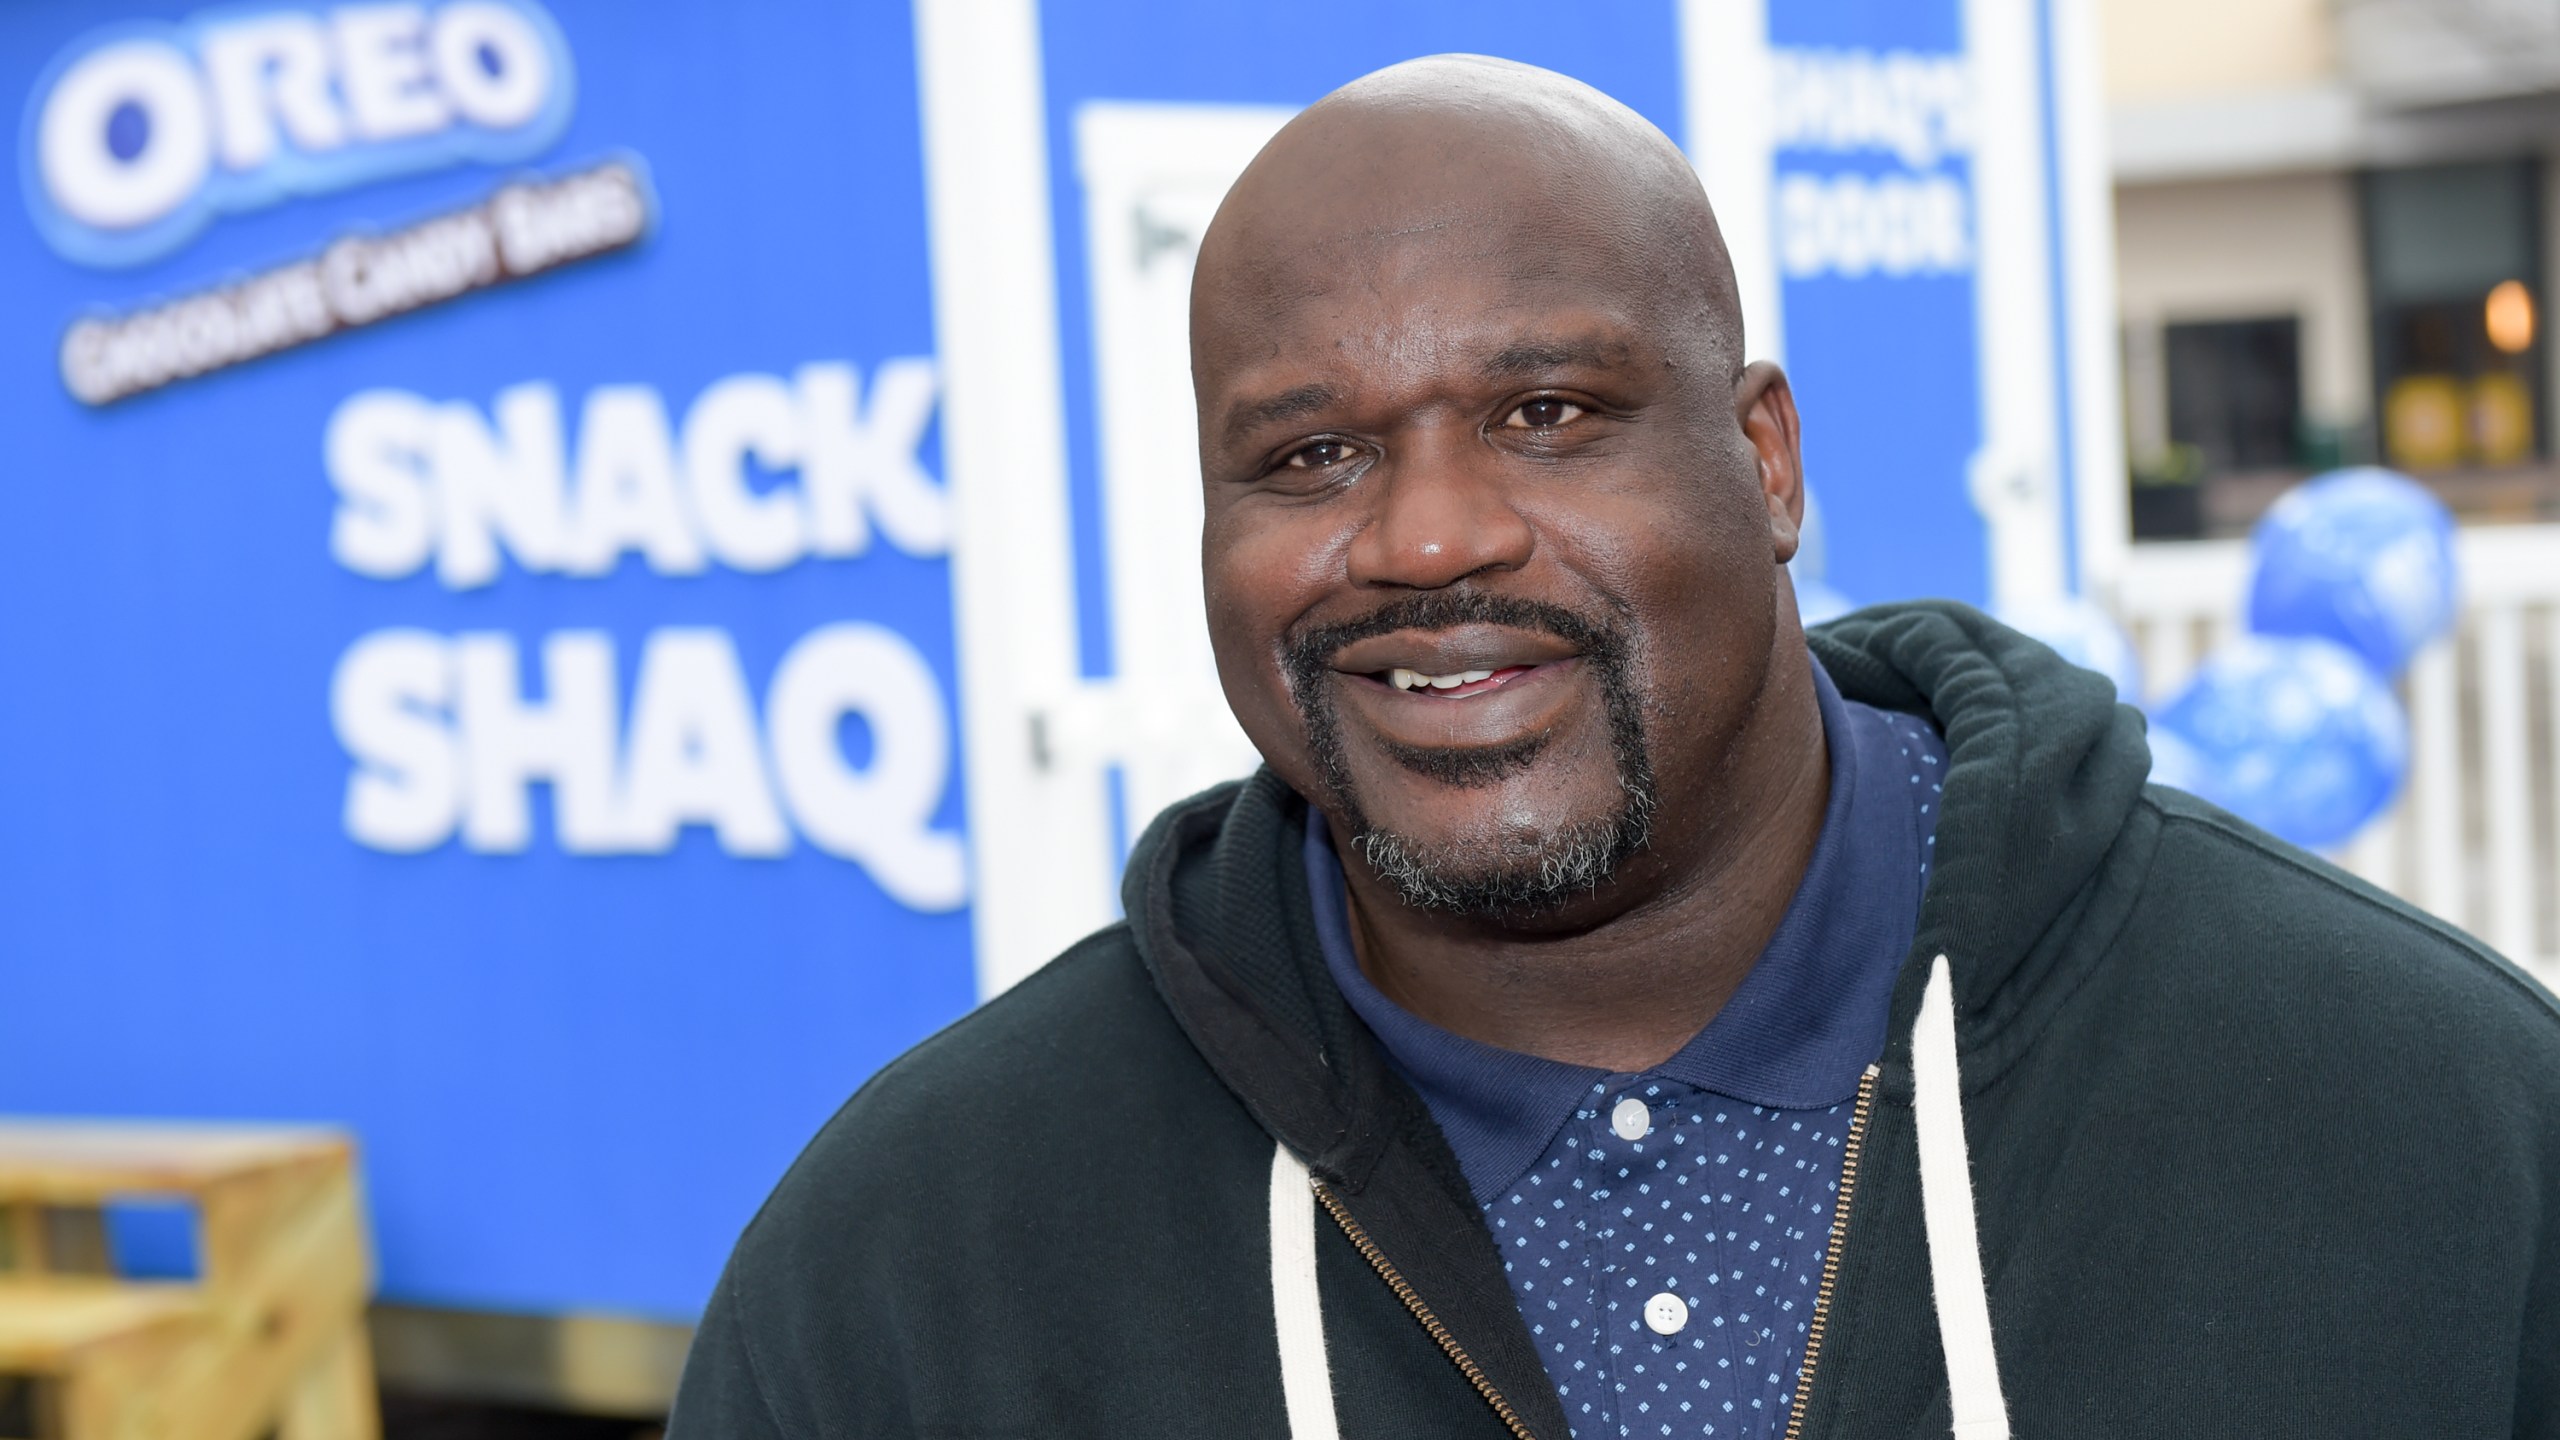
[{"x": 1766, "y": 406}]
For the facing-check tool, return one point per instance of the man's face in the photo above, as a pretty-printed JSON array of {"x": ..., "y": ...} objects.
[{"x": 1488, "y": 556}]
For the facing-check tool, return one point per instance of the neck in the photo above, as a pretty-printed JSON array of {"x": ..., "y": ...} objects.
[{"x": 1671, "y": 938}]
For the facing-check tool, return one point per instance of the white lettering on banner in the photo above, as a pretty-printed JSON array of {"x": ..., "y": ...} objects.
[
  {"x": 1918, "y": 107},
  {"x": 860, "y": 460},
  {"x": 446, "y": 740},
  {"x": 498, "y": 486},
  {"x": 375, "y": 451},
  {"x": 417, "y": 480},
  {"x": 565, "y": 739},
  {"x": 741, "y": 417},
  {"x": 1913, "y": 107},
  {"x": 369, "y": 279},
  {"x": 239, "y": 108},
  {"x": 387, "y": 703},
  {"x": 527, "y": 227},
  {"x": 853, "y": 669},
  {"x": 693, "y": 757},
  {"x": 626, "y": 496},
  {"x": 270, "y": 68},
  {"x": 154, "y": 89},
  {"x": 383, "y": 69},
  {"x": 1850, "y": 225}
]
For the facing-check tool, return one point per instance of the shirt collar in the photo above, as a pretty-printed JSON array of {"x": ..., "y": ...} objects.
[
  {"x": 1798, "y": 1032},
  {"x": 1497, "y": 1108}
]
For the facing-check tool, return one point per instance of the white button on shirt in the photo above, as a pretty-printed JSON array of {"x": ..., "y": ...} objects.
[
  {"x": 1719, "y": 1204},
  {"x": 1631, "y": 1120}
]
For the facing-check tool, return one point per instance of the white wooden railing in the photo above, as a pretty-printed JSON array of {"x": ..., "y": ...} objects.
[{"x": 2475, "y": 835}]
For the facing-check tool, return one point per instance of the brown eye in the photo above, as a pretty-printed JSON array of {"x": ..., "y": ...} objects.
[
  {"x": 1544, "y": 413},
  {"x": 1318, "y": 456}
]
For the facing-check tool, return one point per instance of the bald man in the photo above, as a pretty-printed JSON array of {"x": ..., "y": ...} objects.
[{"x": 1605, "y": 1015}]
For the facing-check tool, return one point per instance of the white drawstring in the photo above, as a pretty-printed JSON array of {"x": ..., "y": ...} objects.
[
  {"x": 1306, "y": 1383},
  {"x": 1946, "y": 1208}
]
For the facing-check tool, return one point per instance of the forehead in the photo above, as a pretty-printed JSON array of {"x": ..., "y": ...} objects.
[{"x": 1471, "y": 288}]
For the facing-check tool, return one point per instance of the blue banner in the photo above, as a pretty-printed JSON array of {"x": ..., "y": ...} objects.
[
  {"x": 487, "y": 662},
  {"x": 478, "y": 607}
]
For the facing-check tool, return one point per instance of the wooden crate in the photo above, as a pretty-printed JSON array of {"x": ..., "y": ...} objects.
[{"x": 267, "y": 1339}]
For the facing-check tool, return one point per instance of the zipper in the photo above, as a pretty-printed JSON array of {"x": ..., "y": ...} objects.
[
  {"x": 1449, "y": 1345},
  {"x": 1831, "y": 1252}
]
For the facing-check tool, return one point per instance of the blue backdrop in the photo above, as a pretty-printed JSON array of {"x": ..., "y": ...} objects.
[
  {"x": 574, "y": 1075},
  {"x": 261, "y": 750}
]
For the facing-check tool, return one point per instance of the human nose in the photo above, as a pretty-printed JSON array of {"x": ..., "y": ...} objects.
[{"x": 1441, "y": 516}]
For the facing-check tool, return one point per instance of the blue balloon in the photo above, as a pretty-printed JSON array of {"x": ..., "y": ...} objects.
[
  {"x": 2298, "y": 736},
  {"x": 1817, "y": 602},
  {"x": 2083, "y": 633},
  {"x": 2363, "y": 557}
]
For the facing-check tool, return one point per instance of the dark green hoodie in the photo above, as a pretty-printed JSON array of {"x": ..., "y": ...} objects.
[{"x": 2254, "y": 1150}]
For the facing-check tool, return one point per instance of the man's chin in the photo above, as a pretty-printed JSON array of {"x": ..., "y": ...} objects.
[
  {"x": 1519, "y": 873},
  {"x": 1479, "y": 801}
]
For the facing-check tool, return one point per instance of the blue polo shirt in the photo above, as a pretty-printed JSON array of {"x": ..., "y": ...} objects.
[{"x": 1664, "y": 1231}]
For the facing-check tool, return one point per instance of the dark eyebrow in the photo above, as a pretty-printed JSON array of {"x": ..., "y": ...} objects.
[
  {"x": 1287, "y": 405},
  {"x": 1527, "y": 357}
]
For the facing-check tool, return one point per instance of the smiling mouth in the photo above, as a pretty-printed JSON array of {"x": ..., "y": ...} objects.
[{"x": 1457, "y": 685}]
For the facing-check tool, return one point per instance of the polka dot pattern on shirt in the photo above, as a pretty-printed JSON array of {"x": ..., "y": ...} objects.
[
  {"x": 1716, "y": 1204},
  {"x": 1726, "y": 1205}
]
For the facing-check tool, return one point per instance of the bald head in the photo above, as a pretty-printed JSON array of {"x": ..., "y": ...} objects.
[
  {"x": 1511, "y": 166},
  {"x": 1473, "y": 409}
]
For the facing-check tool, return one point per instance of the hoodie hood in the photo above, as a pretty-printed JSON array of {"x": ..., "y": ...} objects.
[{"x": 2044, "y": 772}]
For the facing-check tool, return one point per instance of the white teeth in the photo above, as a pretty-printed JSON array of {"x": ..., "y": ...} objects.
[{"x": 1416, "y": 680}]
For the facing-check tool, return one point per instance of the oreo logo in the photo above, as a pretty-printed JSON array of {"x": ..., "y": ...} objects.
[{"x": 135, "y": 138}]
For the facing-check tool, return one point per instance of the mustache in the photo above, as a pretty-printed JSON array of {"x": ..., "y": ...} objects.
[
  {"x": 1310, "y": 655},
  {"x": 1577, "y": 858}
]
